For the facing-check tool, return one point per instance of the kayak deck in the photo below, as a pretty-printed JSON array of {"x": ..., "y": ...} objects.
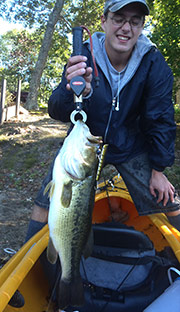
[
  {"x": 155, "y": 226},
  {"x": 23, "y": 271}
]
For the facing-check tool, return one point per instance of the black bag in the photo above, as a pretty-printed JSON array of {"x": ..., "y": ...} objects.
[{"x": 124, "y": 272}]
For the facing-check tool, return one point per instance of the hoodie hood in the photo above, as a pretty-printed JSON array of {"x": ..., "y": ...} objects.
[{"x": 143, "y": 45}]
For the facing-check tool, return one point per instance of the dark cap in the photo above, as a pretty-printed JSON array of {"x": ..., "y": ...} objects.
[{"x": 116, "y": 5}]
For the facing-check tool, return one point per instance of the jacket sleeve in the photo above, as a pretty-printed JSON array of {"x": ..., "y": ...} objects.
[
  {"x": 157, "y": 117},
  {"x": 61, "y": 102}
]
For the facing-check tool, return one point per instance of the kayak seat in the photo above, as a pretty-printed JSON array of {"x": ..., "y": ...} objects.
[{"x": 117, "y": 235}]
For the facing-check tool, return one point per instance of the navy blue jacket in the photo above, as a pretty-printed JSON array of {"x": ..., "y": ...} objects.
[{"x": 145, "y": 120}]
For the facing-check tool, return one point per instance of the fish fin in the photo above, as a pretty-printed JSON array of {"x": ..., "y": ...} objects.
[
  {"x": 70, "y": 293},
  {"x": 49, "y": 188},
  {"x": 52, "y": 254},
  {"x": 88, "y": 249},
  {"x": 66, "y": 194}
]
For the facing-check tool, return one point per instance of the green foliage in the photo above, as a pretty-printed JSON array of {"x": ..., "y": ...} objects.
[
  {"x": 19, "y": 50},
  {"x": 57, "y": 57},
  {"x": 18, "y": 53},
  {"x": 87, "y": 13},
  {"x": 29, "y": 12},
  {"x": 177, "y": 113},
  {"x": 150, "y": 4},
  {"x": 166, "y": 30}
]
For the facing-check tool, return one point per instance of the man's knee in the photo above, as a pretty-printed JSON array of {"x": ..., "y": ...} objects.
[
  {"x": 39, "y": 214},
  {"x": 173, "y": 213}
]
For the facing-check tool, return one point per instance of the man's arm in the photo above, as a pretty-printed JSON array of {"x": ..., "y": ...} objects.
[{"x": 157, "y": 114}]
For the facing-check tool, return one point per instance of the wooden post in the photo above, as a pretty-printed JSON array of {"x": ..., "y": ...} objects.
[
  {"x": 18, "y": 98},
  {"x": 2, "y": 103}
]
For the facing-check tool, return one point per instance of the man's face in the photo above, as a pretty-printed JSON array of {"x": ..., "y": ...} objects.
[{"x": 121, "y": 39}]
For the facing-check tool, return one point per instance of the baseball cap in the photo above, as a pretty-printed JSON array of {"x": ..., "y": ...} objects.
[{"x": 115, "y": 5}]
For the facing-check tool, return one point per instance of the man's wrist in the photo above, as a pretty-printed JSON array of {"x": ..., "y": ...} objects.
[{"x": 156, "y": 172}]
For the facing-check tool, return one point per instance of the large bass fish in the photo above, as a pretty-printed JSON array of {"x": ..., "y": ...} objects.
[{"x": 72, "y": 192}]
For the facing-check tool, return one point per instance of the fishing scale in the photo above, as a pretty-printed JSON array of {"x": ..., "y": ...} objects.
[{"x": 78, "y": 83}]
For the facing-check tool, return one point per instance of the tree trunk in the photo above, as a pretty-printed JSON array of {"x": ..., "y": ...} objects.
[{"x": 31, "y": 102}]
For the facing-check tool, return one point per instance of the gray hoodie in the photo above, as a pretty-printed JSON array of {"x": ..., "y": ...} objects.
[{"x": 143, "y": 45}]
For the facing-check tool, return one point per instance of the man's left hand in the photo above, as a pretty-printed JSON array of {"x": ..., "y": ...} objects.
[{"x": 160, "y": 183}]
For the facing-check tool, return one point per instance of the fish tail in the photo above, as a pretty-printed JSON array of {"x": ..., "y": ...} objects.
[
  {"x": 77, "y": 292},
  {"x": 70, "y": 293},
  {"x": 64, "y": 295}
]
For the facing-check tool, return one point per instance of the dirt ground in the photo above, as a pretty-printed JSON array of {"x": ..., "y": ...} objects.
[{"x": 27, "y": 147}]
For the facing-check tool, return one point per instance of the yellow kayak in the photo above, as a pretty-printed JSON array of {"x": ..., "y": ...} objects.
[{"x": 23, "y": 271}]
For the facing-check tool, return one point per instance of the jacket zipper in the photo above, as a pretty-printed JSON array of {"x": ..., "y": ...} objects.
[{"x": 113, "y": 107}]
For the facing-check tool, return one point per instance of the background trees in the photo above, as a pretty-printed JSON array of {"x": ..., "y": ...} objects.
[
  {"x": 38, "y": 53},
  {"x": 18, "y": 52},
  {"x": 166, "y": 33}
]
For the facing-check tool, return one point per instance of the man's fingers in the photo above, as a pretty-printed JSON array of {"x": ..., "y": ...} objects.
[
  {"x": 152, "y": 191},
  {"x": 79, "y": 71},
  {"x": 160, "y": 184},
  {"x": 68, "y": 87},
  {"x": 76, "y": 66},
  {"x": 166, "y": 198},
  {"x": 87, "y": 76},
  {"x": 75, "y": 70},
  {"x": 160, "y": 196},
  {"x": 88, "y": 72},
  {"x": 88, "y": 79},
  {"x": 76, "y": 59},
  {"x": 171, "y": 194},
  {"x": 172, "y": 188}
]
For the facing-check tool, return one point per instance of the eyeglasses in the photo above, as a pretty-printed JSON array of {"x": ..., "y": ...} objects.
[{"x": 135, "y": 22}]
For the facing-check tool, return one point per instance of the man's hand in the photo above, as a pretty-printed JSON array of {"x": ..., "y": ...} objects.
[
  {"x": 76, "y": 66},
  {"x": 160, "y": 183}
]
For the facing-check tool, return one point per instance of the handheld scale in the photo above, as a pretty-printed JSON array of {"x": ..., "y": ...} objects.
[{"x": 78, "y": 83}]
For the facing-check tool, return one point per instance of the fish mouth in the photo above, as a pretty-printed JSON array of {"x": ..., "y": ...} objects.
[
  {"x": 78, "y": 173},
  {"x": 73, "y": 177},
  {"x": 94, "y": 140}
]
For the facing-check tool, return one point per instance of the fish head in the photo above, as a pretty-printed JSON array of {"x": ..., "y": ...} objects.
[{"x": 79, "y": 151}]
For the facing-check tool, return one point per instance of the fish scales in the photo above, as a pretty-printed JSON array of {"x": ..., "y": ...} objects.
[
  {"x": 74, "y": 225},
  {"x": 72, "y": 192}
]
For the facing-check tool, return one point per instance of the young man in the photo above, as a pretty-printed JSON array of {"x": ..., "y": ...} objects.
[{"x": 131, "y": 109}]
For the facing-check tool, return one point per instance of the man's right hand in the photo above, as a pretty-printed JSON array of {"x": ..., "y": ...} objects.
[{"x": 76, "y": 66}]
